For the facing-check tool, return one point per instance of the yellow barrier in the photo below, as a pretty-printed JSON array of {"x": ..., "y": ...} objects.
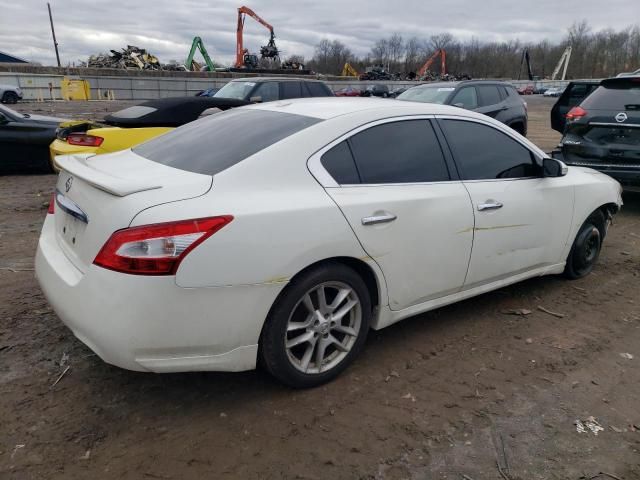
[{"x": 73, "y": 89}]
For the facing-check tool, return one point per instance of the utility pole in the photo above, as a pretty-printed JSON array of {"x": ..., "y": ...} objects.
[{"x": 53, "y": 32}]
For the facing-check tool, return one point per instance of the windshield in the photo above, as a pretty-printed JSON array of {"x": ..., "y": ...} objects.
[
  {"x": 217, "y": 142},
  {"x": 426, "y": 94},
  {"x": 237, "y": 90}
]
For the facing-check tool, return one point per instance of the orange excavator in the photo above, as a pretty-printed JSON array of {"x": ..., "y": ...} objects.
[
  {"x": 243, "y": 58},
  {"x": 443, "y": 63}
]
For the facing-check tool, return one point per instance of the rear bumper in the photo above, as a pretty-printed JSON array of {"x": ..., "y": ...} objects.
[
  {"x": 149, "y": 323},
  {"x": 626, "y": 175}
]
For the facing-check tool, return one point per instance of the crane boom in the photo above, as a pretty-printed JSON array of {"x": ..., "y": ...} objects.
[
  {"x": 269, "y": 50},
  {"x": 197, "y": 44},
  {"x": 431, "y": 59},
  {"x": 525, "y": 59},
  {"x": 349, "y": 71},
  {"x": 564, "y": 59}
]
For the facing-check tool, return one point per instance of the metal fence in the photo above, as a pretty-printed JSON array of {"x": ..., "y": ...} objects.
[{"x": 46, "y": 86}]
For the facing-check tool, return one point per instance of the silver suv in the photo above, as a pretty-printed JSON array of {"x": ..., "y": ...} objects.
[{"x": 10, "y": 94}]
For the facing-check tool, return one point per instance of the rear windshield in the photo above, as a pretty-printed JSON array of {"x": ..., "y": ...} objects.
[
  {"x": 623, "y": 94},
  {"x": 215, "y": 143},
  {"x": 427, "y": 94},
  {"x": 136, "y": 111}
]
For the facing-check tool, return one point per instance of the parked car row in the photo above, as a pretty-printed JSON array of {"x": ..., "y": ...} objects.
[{"x": 32, "y": 142}]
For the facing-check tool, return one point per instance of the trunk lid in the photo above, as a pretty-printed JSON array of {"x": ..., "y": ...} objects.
[{"x": 99, "y": 194}]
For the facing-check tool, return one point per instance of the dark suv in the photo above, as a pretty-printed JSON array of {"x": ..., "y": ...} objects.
[
  {"x": 499, "y": 100},
  {"x": 572, "y": 95},
  {"x": 268, "y": 89},
  {"x": 603, "y": 132}
]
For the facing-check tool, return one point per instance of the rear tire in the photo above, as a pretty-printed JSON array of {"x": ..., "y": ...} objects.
[
  {"x": 9, "y": 97},
  {"x": 586, "y": 247},
  {"x": 308, "y": 341}
]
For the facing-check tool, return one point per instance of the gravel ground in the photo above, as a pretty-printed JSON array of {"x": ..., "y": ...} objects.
[{"x": 465, "y": 390}]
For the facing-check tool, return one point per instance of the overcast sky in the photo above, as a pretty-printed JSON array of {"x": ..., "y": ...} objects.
[{"x": 166, "y": 28}]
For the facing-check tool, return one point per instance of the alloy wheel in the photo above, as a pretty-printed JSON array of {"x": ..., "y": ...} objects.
[{"x": 323, "y": 327}]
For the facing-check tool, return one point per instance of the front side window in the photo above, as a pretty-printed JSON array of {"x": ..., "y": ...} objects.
[
  {"x": 217, "y": 142},
  {"x": 267, "y": 91},
  {"x": 466, "y": 98},
  {"x": 483, "y": 152},
  {"x": 405, "y": 151}
]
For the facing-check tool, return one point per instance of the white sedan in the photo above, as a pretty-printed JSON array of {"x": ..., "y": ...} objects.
[{"x": 283, "y": 232}]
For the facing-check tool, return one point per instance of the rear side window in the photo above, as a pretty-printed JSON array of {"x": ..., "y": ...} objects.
[
  {"x": 489, "y": 95},
  {"x": 618, "y": 95},
  {"x": 339, "y": 163},
  {"x": 466, "y": 98},
  {"x": 400, "y": 152},
  {"x": 482, "y": 152},
  {"x": 317, "y": 89},
  {"x": 291, "y": 90},
  {"x": 219, "y": 141}
]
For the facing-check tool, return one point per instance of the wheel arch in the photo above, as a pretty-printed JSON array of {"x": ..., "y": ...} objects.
[
  {"x": 370, "y": 275},
  {"x": 362, "y": 268}
]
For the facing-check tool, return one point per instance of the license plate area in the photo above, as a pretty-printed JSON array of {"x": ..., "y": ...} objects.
[{"x": 71, "y": 230}]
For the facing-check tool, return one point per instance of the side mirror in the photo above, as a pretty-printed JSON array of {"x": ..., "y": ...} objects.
[
  {"x": 256, "y": 99},
  {"x": 3, "y": 120},
  {"x": 552, "y": 167}
]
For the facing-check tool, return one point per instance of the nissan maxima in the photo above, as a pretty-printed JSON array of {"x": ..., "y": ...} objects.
[{"x": 281, "y": 233}]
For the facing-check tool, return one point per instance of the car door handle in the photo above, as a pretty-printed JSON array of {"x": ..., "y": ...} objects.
[
  {"x": 489, "y": 205},
  {"x": 376, "y": 219}
]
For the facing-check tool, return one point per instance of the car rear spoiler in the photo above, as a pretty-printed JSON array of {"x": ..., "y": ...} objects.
[{"x": 78, "y": 166}]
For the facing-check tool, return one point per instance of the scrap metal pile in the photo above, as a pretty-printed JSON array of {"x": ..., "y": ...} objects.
[{"x": 131, "y": 57}]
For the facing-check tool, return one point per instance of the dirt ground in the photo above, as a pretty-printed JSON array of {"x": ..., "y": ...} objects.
[{"x": 464, "y": 392}]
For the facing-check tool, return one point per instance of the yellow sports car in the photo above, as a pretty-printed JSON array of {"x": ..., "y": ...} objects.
[{"x": 133, "y": 125}]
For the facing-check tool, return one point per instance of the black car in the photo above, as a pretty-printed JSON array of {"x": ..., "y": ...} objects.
[
  {"x": 496, "y": 99},
  {"x": 377, "y": 90},
  {"x": 268, "y": 89},
  {"x": 575, "y": 93},
  {"x": 603, "y": 132},
  {"x": 24, "y": 141}
]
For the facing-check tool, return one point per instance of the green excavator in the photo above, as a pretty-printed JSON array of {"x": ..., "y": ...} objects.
[{"x": 193, "y": 66}]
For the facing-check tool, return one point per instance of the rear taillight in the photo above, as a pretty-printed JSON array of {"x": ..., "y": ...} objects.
[
  {"x": 156, "y": 249},
  {"x": 52, "y": 205},
  {"x": 84, "y": 140},
  {"x": 576, "y": 113}
]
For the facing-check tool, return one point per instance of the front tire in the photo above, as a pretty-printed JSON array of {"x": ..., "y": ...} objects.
[
  {"x": 586, "y": 247},
  {"x": 317, "y": 326},
  {"x": 9, "y": 97}
]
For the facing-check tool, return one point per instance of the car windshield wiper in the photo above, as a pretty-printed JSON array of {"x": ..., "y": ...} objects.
[{"x": 26, "y": 115}]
